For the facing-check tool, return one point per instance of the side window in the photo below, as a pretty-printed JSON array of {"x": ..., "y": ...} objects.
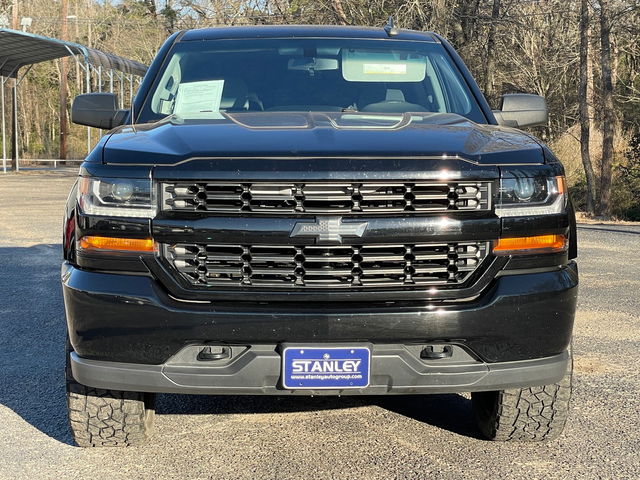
[
  {"x": 434, "y": 89},
  {"x": 453, "y": 93},
  {"x": 165, "y": 94}
]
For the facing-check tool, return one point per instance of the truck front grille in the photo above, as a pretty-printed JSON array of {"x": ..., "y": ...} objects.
[
  {"x": 323, "y": 198},
  {"x": 344, "y": 266}
]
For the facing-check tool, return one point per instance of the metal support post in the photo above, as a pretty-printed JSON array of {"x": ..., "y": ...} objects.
[
  {"x": 4, "y": 127},
  {"x": 14, "y": 128},
  {"x": 100, "y": 89},
  {"x": 15, "y": 166},
  {"x": 121, "y": 78},
  {"x": 4, "y": 133}
]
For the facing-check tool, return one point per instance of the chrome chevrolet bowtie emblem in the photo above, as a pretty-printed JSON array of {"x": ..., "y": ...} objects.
[{"x": 329, "y": 230}]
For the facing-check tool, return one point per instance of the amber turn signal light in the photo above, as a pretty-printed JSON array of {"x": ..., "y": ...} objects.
[
  {"x": 523, "y": 245},
  {"x": 111, "y": 244}
]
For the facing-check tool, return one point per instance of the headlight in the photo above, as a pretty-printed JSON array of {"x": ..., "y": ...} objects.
[
  {"x": 116, "y": 197},
  {"x": 524, "y": 193}
]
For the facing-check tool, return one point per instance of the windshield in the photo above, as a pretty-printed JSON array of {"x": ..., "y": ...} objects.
[{"x": 203, "y": 80}]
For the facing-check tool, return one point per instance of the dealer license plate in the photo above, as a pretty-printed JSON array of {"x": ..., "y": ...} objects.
[{"x": 325, "y": 367}]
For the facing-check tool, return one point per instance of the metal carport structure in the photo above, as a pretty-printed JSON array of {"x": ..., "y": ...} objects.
[{"x": 20, "y": 49}]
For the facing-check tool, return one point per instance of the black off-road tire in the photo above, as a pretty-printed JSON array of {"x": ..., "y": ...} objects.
[
  {"x": 108, "y": 418},
  {"x": 531, "y": 414}
]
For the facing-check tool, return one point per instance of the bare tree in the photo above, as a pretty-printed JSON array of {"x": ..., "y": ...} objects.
[
  {"x": 608, "y": 111},
  {"x": 491, "y": 51},
  {"x": 585, "y": 118}
]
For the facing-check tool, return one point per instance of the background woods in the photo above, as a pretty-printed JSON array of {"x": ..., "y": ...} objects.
[{"x": 583, "y": 56}]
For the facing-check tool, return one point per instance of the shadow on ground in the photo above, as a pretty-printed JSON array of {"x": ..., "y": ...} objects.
[
  {"x": 33, "y": 337},
  {"x": 448, "y": 412}
]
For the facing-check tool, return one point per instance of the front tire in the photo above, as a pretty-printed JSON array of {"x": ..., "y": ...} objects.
[
  {"x": 531, "y": 414},
  {"x": 108, "y": 418}
]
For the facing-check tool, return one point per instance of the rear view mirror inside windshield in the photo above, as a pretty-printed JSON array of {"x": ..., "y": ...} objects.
[
  {"x": 313, "y": 64},
  {"x": 359, "y": 65}
]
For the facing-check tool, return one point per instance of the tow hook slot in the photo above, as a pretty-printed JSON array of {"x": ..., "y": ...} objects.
[
  {"x": 208, "y": 354},
  {"x": 430, "y": 354}
]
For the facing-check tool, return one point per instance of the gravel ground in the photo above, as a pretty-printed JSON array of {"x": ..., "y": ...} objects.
[{"x": 258, "y": 437}]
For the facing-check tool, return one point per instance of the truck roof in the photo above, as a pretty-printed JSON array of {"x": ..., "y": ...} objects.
[{"x": 320, "y": 31}]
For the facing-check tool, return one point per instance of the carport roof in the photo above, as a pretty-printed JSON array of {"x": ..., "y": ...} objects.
[{"x": 18, "y": 49}]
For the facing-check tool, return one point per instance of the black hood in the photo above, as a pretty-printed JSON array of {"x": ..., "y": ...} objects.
[{"x": 320, "y": 135}]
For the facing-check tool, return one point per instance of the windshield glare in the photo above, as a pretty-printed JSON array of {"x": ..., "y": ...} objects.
[{"x": 202, "y": 80}]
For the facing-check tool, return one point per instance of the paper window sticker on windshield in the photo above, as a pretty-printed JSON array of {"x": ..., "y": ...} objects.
[{"x": 199, "y": 97}]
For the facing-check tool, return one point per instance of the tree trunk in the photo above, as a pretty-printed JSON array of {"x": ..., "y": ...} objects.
[
  {"x": 464, "y": 23},
  {"x": 585, "y": 120},
  {"x": 615, "y": 60},
  {"x": 607, "y": 110},
  {"x": 491, "y": 42},
  {"x": 77, "y": 39},
  {"x": 63, "y": 87},
  {"x": 591, "y": 103},
  {"x": 24, "y": 127},
  {"x": 339, "y": 12},
  {"x": 439, "y": 16}
]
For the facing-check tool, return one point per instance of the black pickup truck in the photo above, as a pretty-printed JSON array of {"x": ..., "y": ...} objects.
[{"x": 317, "y": 211}]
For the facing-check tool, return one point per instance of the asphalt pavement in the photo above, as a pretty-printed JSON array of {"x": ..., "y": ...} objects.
[{"x": 218, "y": 437}]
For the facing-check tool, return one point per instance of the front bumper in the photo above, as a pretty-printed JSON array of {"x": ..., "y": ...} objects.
[
  {"x": 395, "y": 369},
  {"x": 131, "y": 319}
]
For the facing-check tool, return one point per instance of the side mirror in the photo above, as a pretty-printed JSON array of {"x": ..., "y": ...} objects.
[
  {"x": 98, "y": 110},
  {"x": 522, "y": 110}
]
